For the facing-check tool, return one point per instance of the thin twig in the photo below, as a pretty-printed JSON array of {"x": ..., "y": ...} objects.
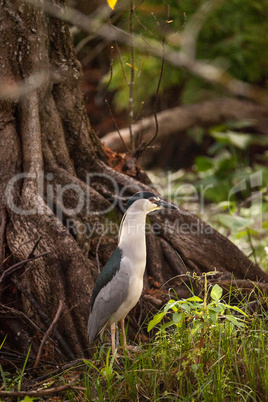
[
  {"x": 20, "y": 313},
  {"x": 132, "y": 77},
  {"x": 121, "y": 63},
  {"x": 52, "y": 325},
  {"x": 22, "y": 264},
  {"x": 158, "y": 85},
  {"x": 19, "y": 265},
  {"x": 14, "y": 252},
  {"x": 194, "y": 25},
  {"x": 108, "y": 104}
]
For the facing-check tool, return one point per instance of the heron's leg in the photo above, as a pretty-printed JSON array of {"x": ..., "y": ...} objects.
[
  {"x": 122, "y": 326},
  {"x": 113, "y": 337}
]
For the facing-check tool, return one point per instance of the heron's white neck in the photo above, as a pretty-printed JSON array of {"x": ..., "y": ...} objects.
[{"x": 132, "y": 236}]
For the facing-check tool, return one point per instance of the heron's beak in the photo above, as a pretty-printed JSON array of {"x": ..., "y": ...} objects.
[{"x": 164, "y": 204}]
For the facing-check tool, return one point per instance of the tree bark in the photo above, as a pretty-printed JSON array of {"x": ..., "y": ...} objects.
[{"x": 46, "y": 137}]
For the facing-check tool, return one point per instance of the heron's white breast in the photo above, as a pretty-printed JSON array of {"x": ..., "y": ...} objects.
[{"x": 136, "y": 273}]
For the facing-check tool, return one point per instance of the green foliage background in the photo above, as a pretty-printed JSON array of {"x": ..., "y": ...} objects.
[{"x": 234, "y": 37}]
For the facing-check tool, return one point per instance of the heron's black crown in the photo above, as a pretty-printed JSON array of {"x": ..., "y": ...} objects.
[{"x": 139, "y": 196}]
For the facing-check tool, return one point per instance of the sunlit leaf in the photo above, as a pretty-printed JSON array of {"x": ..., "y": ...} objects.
[
  {"x": 157, "y": 318},
  {"x": 171, "y": 305},
  {"x": 238, "y": 309},
  {"x": 130, "y": 65},
  {"x": 112, "y": 3},
  {"x": 194, "y": 298},
  {"x": 239, "y": 140},
  {"x": 216, "y": 292}
]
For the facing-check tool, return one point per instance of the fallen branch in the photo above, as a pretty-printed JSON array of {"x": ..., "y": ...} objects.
[
  {"x": 59, "y": 370},
  {"x": 40, "y": 393},
  {"x": 180, "y": 119},
  {"x": 244, "y": 285},
  {"x": 153, "y": 300}
]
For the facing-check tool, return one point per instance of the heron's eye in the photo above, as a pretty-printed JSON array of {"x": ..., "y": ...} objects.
[{"x": 152, "y": 199}]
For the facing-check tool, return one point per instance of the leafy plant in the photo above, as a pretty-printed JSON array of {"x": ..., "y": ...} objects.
[{"x": 200, "y": 314}]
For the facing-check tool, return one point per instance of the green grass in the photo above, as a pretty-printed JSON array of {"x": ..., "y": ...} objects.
[{"x": 230, "y": 364}]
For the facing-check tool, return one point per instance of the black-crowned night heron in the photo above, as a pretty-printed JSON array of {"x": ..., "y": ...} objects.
[{"x": 119, "y": 284}]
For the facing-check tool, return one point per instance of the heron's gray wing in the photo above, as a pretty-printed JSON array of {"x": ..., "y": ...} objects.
[
  {"x": 107, "y": 273},
  {"x": 107, "y": 302}
]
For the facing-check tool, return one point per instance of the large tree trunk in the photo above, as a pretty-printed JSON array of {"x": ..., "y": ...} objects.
[{"x": 46, "y": 135}]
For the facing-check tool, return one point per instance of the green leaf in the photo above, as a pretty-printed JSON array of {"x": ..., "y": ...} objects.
[
  {"x": 177, "y": 317},
  {"x": 157, "y": 318},
  {"x": 197, "y": 327},
  {"x": 237, "y": 309},
  {"x": 171, "y": 304},
  {"x": 216, "y": 292},
  {"x": 185, "y": 307},
  {"x": 27, "y": 399},
  {"x": 203, "y": 163},
  {"x": 215, "y": 309},
  {"x": 234, "y": 223},
  {"x": 235, "y": 321},
  {"x": 195, "y": 298},
  {"x": 213, "y": 316},
  {"x": 239, "y": 140},
  {"x": 166, "y": 325}
]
